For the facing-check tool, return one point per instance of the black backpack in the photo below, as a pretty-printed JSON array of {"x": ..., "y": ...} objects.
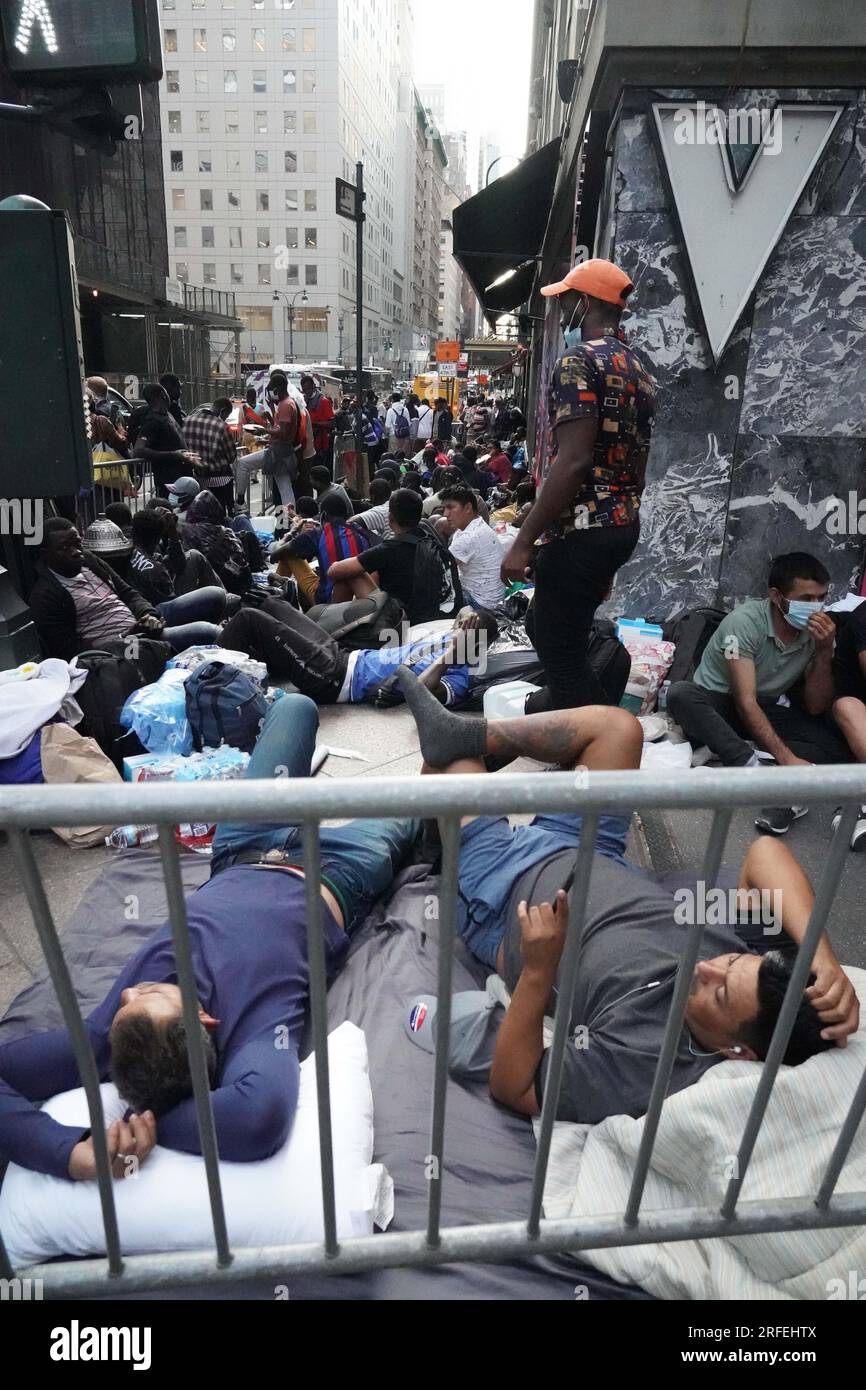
[
  {"x": 690, "y": 631},
  {"x": 223, "y": 706},
  {"x": 113, "y": 673},
  {"x": 608, "y": 658},
  {"x": 359, "y": 624}
]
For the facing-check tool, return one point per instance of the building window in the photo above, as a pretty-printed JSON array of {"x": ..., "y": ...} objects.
[
  {"x": 260, "y": 81},
  {"x": 259, "y": 44},
  {"x": 181, "y": 271},
  {"x": 290, "y": 40},
  {"x": 236, "y": 274},
  {"x": 180, "y": 238},
  {"x": 228, "y": 4},
  {"x": 198, "y": 4},
  {"x": 174, "y": 123},
  {"x": 292, "y": 238},
  {"x": 199, "y": 40},
  {"x": 168, "y": 4},
  {"x": 291, "y": 200},
  {"x": 233, "y": 161},
  {"x": 202, "y": 122},
  {"x": 260, "y": 122},
  {"x": 230, "y": 80},
  {"x": 311, "y": 238},
  {"x": 207, "y": 237},
  {"x": 263, "y": 200},
  {"x": 258, "y": 4},
  {"x": 311, "y": 160},
  {"x": 236, "y": 238},
  {"x": 176, "y": 157},
  {"x": 292, "y": 275},
  {"x": 234, "y": 198},
  {"x": 205, "y": 163},
  {"x": 310, "y": 200},
  {"x": 264, "y": 274},
  {"x": 290, "y": 81},
  {"x": 206, "y": 199},
  {"x": 290, "y": 122},
  {"x": 169, "y": 40},
  {"x": 172, "y": 81},
  {"x": 256, "y": 320},
  {"x": 285, "y": 4},
  {"x": 209, "y": 275},
  {"x": 290, "y": 163},
  {"x": 232, "y": 124},
  {"x": 230, "y": 41},
  {"x": 263, "y": 238},
  {"x": 201, "y": 81},
  {"x": 309, "y": 40},
  {"x": 309, "y": 81},
  {"x": 178, "y": 200},
  {"x": 261, "y": 163},
  {"x": 309, "y": 123},
  {"x": 311, "y": 275}
]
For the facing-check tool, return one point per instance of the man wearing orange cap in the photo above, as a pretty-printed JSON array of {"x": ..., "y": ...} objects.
[{"x": 601, "y": 405}]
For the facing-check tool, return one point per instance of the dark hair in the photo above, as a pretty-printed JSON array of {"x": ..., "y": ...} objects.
[
  {"x": 147, "y": 526},
  {"x": 222, "y": 402},
  {"x": 251, "y": 391},
  {"x": 380, "y": 490},
  {"x": 119, "y": 513},
  {"x": 805, "y": 1040},
  {"x": 405, "y": 507},
  {"x": 169, "y": 379},
  {"x": 306, "y": 506},
  {"x": 470, "y": 454},
  {"x": 307, "y": 377},
  {"x": 392, "y": 474},
  {"x": 320, "y": 475},
  {"x": 396, "y": 397},
  {"x": 54, "y": 526},
  {"x": 524, "y": 492},
  {"x": 412, "y": 480},
  {"x": 333, "y": 507},
  {"x": 158, "y": 504},
  {"x": 149, "y": 1063},
  {"x": 798, "y": 565},
  {"x": 153, "y": 391},
  {"x": 461, "y": 494},
  {"x": 278, "y": 378}
]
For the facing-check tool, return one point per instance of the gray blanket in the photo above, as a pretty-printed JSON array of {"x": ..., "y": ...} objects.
[{"x": 489, "y": 1153}]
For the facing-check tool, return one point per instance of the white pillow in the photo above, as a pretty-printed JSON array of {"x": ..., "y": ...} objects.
[{"x": 277, "y": 1201}]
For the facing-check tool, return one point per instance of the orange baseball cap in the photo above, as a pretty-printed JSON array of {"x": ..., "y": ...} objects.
[{"x": 601, "y": 279}]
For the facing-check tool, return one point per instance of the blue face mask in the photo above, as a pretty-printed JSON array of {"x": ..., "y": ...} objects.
[
  {"x": 572, "y": 332},
  {"x": 799, "y": 612},
  {"x": 173, "y": 500}
]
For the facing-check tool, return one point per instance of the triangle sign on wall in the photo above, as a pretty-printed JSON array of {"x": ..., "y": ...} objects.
[{"x": 734, "y": 206}]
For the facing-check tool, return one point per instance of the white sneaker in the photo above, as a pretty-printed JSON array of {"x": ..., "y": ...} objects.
[{"x": 858, "y": 834}]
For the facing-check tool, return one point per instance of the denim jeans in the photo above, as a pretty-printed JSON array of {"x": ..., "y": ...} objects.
[
  {"x": 199, "y": 606},
  {"x": 493, "y": 857},
  {"x": 358, "y": 860},
  {"x": 190, "y": 635}
]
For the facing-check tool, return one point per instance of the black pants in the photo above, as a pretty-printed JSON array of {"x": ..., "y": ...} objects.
[
  {"x": 706, "y": 717},
  {"x": 294, "y": 649},
  {"x": 223, "y": 492},
  {"x": 572, "y": 577}
]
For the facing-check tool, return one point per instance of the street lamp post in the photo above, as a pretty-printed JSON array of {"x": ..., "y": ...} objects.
[{"x": 304, "y": 297}]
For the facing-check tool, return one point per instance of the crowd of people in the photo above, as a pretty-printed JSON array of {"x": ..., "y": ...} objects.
[{"x": 451, "y": 524}]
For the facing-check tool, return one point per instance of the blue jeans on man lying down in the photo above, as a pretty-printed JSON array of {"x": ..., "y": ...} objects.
[
  {"x": 493, "y": 857},
  {"x": 358, "y": 860}
]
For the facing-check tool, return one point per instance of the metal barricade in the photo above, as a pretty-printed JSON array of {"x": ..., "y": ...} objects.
[{"x": 448, "y": 798}]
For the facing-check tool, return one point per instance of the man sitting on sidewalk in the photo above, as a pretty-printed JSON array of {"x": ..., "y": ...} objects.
[
  {"x": 745, "y": 686},
  {"x": 253, "y": 988},
  {"x": 513, "y": 915}
]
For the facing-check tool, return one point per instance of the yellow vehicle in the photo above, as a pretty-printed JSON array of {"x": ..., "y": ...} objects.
[{"x": 430, "y": 386}]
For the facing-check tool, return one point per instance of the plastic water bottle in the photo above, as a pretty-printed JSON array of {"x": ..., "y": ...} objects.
[{"x": 127, "y": 836}]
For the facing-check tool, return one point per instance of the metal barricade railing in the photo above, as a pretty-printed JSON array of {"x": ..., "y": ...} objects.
[{"x": 448, "y": 798}]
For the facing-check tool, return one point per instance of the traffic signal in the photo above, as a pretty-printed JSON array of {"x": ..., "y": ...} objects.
[{"x": 62, "y": 43}]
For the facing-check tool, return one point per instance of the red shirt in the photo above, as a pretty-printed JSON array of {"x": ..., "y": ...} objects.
[
  {"x": 321, "y": 412},
  {"x": 500, "y": 466}
]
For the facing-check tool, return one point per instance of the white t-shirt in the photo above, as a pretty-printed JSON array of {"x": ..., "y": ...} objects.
[
  {"x": 425, "y": 422},
  {"x": 480, "y": 555}
]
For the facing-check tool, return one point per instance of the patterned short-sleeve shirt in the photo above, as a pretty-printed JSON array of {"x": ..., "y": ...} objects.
[{"x": 607, "y": 380}]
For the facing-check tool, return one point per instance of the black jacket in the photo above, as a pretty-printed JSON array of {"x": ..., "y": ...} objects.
[{"x": 54, "y": 614}]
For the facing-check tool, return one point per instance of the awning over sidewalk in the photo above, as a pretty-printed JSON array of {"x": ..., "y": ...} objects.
[{"x": 500, "y": 231}]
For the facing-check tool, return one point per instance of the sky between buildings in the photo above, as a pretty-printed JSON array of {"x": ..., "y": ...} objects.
[{"x": 481, "y": 50}]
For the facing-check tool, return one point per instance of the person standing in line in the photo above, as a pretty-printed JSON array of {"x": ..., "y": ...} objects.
[
  {"x": 321, "y": 414},
  {"x": 398, "y": 425},
  {"x": 601, "y": 406},
  {"x": 157, "y": 438},
  {"x": 424, "y": 432},
  {"x": 207, "y": 434},
  {"x": 173, "y": 387}
]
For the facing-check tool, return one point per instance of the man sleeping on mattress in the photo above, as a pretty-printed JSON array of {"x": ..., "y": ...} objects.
[
  {"x": 513, "y": 915},
  {"x": 247, "y": 929}
]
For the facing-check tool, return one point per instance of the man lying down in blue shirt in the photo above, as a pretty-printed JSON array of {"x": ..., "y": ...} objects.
[{"x": 247, "y": 929}]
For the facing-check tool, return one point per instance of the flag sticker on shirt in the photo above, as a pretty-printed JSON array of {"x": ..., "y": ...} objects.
[{"x": 417, "y": 1017}]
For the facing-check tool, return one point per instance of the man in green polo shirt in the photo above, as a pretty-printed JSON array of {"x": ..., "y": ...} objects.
[{"x": 739, "y": 693}]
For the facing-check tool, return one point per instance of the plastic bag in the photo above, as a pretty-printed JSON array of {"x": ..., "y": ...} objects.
[
  {"x": 157, "y": 715},
  {"x": 651, "y": 659}
]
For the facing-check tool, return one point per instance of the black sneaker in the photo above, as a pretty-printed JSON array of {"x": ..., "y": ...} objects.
[
  {"x": 779, "y": 819},
  {"x": 858, "y": 834}
]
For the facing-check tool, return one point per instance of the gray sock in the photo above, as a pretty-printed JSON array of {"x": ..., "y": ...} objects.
[{"x": 444, "y": 737}]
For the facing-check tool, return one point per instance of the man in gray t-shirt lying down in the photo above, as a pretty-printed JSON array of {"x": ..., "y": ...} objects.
[{"x": 513, "y": 915}]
